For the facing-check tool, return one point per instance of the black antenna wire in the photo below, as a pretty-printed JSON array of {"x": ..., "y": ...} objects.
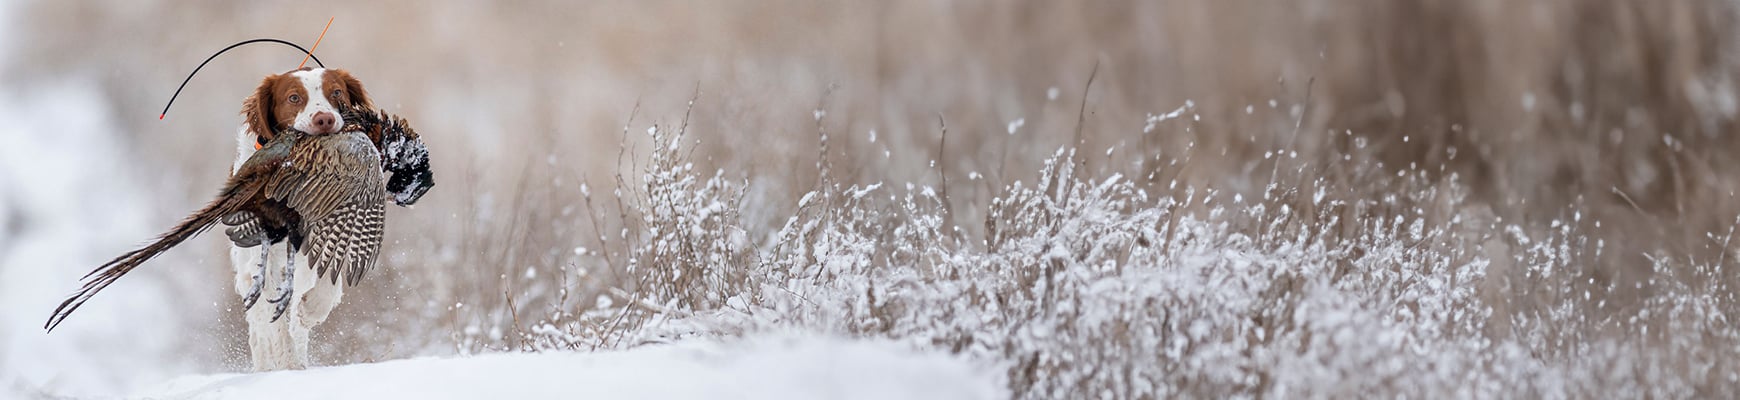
[{"x": 214, "y": 56}]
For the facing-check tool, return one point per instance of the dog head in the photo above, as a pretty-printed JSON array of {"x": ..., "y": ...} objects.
[{"x": 311, "y": 100}]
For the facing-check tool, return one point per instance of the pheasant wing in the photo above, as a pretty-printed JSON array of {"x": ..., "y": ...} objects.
[{"x": 335, "y": 183}]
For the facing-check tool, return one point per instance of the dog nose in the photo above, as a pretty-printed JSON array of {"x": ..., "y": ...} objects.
[{"x": 325, "y": 122}]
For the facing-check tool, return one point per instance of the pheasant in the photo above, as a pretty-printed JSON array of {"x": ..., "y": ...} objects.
[
  {"x": 403, "y": 155},
  {"x": 325, "y": 194}
]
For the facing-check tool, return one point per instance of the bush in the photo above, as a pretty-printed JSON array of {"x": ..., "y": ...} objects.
[{"x": 1087, "y": 286}]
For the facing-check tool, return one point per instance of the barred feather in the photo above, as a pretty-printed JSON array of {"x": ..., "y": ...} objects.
[
  {"x": 244, "y": 230},
  {"x": 341, "y": 196}
]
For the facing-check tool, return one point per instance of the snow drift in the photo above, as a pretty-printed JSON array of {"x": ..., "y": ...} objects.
[{"x": 774, "y": 367}]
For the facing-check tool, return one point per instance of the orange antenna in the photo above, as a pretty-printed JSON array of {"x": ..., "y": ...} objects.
[{"x": 316, "y": 42}]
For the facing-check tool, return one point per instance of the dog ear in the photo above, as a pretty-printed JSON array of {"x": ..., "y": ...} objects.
[
  {"x": 257, "y": 112},
  {"x": 359, "y": 98}
]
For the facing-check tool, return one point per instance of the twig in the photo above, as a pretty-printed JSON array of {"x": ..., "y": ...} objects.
[
  {"x": 943, "y": 170},
  {"x": 1723, "y": 258},
  {"x": 694, "y": 96},
  {"x": 514, "y": 311},
  {"x": 1679, "y": 195},
  {"x": 592, "y": 210},
  {"x": 1297, "y": 123},
  {"x": 597, "y": 228},
  {"x": 622, "y": 143},
  {"x": 823, "y": 185},
  {"x": 567, "y": 288},
  {"x": 622, "y": 147},
  {"x": 1081, "y": 114},
  {"x": 1628, "y": 200},
  {"x": 647, "y": 305},
  {"x": 822, "y": 164},
  {"x": 1064, "y": 188},
  {"x": 1003, "y": 162},
  {"x": 612, "y": 328},
  {"x": 382, "y": 355}
]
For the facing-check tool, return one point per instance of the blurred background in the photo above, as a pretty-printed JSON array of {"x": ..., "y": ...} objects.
[{"x": 1623, "y": 110}]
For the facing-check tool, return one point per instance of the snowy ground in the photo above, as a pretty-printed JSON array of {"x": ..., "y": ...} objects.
[{"x": 777, "y": 367}]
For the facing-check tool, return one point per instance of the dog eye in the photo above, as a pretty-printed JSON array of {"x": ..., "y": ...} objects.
[
  {"x": 337, "y": 92},
  {"x": 295, "y": 98}
]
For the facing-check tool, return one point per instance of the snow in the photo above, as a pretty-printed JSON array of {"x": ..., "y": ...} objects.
[
  {"x": 58, "y": 232},
  {"x": 59, "y": 150},
  {"x": 776, "y": 366},
  {"x": 1155, "y": 120}
]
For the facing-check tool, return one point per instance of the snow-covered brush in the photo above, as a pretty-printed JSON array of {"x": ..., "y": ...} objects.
[{"x": 1335, "y": 280}]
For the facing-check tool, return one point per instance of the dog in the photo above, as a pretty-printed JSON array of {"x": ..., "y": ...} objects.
[{"x": 313, "y": 100}]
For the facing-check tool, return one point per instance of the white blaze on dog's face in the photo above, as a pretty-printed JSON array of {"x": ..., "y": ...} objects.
[
  {"x": 307, "y": 99},
  {"x": 318, "y": 116}
]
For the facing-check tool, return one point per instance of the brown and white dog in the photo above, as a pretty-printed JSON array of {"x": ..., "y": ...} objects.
[{"x": 312, "y": 100}]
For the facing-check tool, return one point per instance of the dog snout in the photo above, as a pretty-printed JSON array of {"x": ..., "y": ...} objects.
[{"x": 325, "y": 123}]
